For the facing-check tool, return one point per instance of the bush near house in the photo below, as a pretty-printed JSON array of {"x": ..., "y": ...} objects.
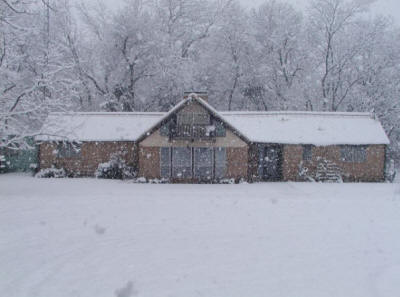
[
  {"x": 51, "y": 173},
  {"x": 116, "y": 168}
]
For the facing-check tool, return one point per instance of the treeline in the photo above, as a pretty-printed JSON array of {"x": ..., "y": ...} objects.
[{"x": 55, "y": 56}]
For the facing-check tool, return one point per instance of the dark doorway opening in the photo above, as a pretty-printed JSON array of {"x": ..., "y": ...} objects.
[{"x": 270, "y": 162}]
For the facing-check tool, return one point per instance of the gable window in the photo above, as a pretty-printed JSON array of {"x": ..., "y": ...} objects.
[
  {"x": 353, "y": 153},
  {"x": 193, "y": 118},
  {"x": 220, "y": 130},
  {"x": 307, "y": 152},
  {"x": 164, "y": 129},
  {"x": 203, "y": 163},
  {"x": 201, "y": 118},
  {"x": 68, "y": 150},
  {"x": 182, "y": 162},
  {"x": 220, "y": 162}
]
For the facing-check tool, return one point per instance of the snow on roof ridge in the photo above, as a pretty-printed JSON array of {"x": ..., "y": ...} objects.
[{"x": 307, "y": 113}]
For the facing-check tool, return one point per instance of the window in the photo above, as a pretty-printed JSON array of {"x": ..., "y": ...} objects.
[
  {"x": 207, "y": 162},
  {"x": 164, "y": 129},
  {"x": 220, "y": 162},
  {"x": 68, "y": 150},
  {"x": 354, "y": 153},
  {"x": 201, "y": 119},
  {"x": 165, "y": 162},
  {"x": 182, "y": 162},
  {"x": 203, "y": 163},
  {"x": 219, "y": 129},
  {"x": 185, "y": 118},
  {"x": 190, "y": 118},
  {"x": 307, "y": 152}
]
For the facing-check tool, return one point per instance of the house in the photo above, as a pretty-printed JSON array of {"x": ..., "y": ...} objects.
[{"x": 193, "y": 142}]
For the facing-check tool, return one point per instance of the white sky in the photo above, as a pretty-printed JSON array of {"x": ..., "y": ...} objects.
[{"x": 385, "y": 7}]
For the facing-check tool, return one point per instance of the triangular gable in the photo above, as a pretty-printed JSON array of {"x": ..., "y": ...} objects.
[{"x": 192, "y": 98}]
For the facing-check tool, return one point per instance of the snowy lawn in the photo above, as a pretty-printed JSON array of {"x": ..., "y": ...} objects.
[{"x": 95, "y": 238}]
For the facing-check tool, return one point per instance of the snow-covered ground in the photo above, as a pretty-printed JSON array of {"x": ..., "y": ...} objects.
[{"x": 87, "y": 237}]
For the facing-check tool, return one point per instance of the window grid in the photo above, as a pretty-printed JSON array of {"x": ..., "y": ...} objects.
[
  {"x": 354, "y": 153},
  {"x": 307, "y": 152},
  {"x": 217, "y": 164},
  {"x": 68, "y": 150}
]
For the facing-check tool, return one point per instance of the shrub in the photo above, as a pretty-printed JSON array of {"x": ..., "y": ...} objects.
[
  {"x": 116, "y": 168},
  {"x": 51, "y": 173}
]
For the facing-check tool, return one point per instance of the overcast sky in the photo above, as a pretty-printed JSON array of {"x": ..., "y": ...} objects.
[{"x": 386, "y": 7}]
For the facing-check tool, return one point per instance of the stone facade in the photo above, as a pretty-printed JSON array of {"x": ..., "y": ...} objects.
[{"x": 91, "y": 155}]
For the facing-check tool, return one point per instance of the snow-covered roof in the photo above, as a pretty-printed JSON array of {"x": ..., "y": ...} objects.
[
  {"x": 318, "y": 128},
  {"x": 97, "y": 126}
]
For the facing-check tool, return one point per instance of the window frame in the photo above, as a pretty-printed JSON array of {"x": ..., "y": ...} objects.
[
  {"x": 173, "y": 166},
  {"x": 189, "y": 118},
  {"x": 169, "y": 166},
  {"x": 217, "y": 166},
  {"x": 217, "y": 163},
  {"x": 69, "y": 150},
  {"x": 220, "y": 129},
  {"x": 307, "y": 152},
  {"x": 200, "y": 166},
  {"x": 353, "y": 153}
]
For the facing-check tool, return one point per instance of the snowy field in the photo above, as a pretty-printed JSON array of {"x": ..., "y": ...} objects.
[{"x": 87, "y": 237}]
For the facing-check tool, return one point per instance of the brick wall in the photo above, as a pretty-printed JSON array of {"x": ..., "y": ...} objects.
[
  {"x": 237, "y": 162},
  {"x": 370, "y": 170},
  {"x": 252, "y": 170},
  {"x": 149, "y": 162},
  {"x": 92, "y": 154}
]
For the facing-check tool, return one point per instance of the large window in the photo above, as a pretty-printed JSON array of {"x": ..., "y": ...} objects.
[
  {"x": 208, "y": 163},
  {"x": 68, "y": 150},
  {"x": 354, "y": 153},
  {"x": 165, "y": 162},
  {"x": 182, "y": 162},
  {"x": 203, "y": 163},
  {"x": 220, "y": 162}
]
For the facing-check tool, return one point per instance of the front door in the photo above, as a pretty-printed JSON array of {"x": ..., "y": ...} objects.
[{"x": 271, "y": 164}]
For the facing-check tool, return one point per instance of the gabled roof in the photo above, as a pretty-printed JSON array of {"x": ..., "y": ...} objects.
[
  {"x": 193, "y": 97},
  {"x": 317, "y": 128}
]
